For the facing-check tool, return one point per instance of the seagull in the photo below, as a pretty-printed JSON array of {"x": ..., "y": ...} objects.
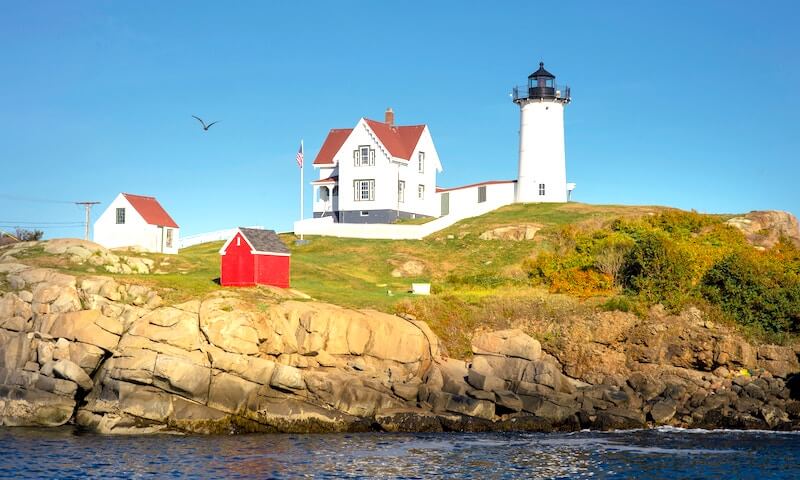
[{"x": 205, "y": 127}]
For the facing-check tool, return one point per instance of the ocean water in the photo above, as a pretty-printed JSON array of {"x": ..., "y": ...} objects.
[{"x": 643, "y": 454}]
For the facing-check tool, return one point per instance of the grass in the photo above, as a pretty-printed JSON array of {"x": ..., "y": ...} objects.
[
  {"x": 358, "y": 273},
  {"x": 477, "y": 283}
]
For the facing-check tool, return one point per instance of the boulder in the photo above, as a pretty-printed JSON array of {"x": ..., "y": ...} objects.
[
  {"x": 287, "y": 378},
  {"x": 69, "y": 370},
  {"x": 406, "y": 391},
  {"x": 170, "y": 326},
  {"x": 15, "y": 350},
  {"x": 508, "y": 343},
  {"x": 230, "y": 393},
  {"x": 512, "y": 232},
  {"x": 508, "y": 400},
  {"x": 145, "y": 402},
  {"x": 469, "y": 406},
  {"x": 104, "y": 286},
  {"x": 780, "y": 361},
  {"x": 86, "y": 356},
  {"x": 765, "y": 228},
  {"x": 182, "y": 377},
  {"x": 663, "y": 411},
  {"x": 485, "y": 382},
  {"x": 87, "y": 326},
  {"x": 21, "y": 407},
  {"x": 227, "y": 324}
]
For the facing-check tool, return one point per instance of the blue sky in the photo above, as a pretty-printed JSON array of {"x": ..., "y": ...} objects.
[{"x": 681, "y": 103}]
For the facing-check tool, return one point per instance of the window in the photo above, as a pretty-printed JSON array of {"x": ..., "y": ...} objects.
[
  {"x": 482, "y": 194},
  {"x": 421, "y": 192},
  {"x": 541, "y": 189},
  {"x": 169, "y": 238},
  {"x": 238, "y": 241},
  {"x": 421, "y": 167},
  {"x": 364, "y": 213},
  {"x": 401, "y": 191},
  {"x": 120, "y": 216},
  {"x": 364, "y": 156},
  {"x": 364, "y": 190}
]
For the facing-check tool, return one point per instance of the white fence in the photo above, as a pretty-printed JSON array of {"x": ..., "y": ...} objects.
[
  {"x": 464, "y": 204},
  {"x": 215, "y": 236}
]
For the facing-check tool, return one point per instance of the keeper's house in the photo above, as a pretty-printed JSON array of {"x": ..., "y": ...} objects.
[
  {"x": 254, "y": 257},
  {"x": 377, "y": 172},
  {"x": 137, "y": 221}
]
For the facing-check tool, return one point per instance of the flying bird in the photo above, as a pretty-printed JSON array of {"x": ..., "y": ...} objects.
[{"x": 205, "y": 127}]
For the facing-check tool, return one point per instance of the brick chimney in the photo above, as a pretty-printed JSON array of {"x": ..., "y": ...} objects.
[{"x": 389, "y": 117}]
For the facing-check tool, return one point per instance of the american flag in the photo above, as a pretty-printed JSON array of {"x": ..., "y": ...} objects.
[{"x": 300, "y": 155}]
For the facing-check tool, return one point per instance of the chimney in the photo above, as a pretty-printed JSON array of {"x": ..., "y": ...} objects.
[{"x": 389, "y": 117}]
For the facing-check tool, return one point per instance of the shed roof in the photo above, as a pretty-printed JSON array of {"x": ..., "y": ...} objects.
[{"x": 264, "y": 241}]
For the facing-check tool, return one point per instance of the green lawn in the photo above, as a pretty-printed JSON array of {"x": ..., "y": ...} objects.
[{"x": 358, "y": 273}]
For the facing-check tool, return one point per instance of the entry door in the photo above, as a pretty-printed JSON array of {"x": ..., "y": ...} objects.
[{"x": 445, "y": 203}]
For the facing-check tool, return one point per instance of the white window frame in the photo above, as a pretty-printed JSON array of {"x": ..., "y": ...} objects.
[
  {"x": 421, "y": 192},
  {"x": 359, "y": 190},
  {"x": 121, "y": 216},
  {"x": 421, "y": 162},
  {"x": 401, "y": 191},
  {"x": 169, "y": 238},
  {"x": 358, "y": 156},
  {"x": 541, "y": 189}
]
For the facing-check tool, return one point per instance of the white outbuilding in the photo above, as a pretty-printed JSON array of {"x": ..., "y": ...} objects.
[{"x": 137, "y": 221}]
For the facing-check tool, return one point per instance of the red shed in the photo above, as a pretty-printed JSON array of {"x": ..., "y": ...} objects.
[{"x": 254, "y": 256}]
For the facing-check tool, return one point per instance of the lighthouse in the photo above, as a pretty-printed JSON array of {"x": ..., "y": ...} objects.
[{"x": 542, "y": 161}]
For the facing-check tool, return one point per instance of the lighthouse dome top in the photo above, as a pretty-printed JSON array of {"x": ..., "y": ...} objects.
[
  {"x": 541, "y": 85},
  {"x": 541, "y": 73}
]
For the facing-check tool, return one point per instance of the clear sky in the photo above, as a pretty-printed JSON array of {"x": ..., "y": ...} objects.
[{"x": 682, "y": 103}]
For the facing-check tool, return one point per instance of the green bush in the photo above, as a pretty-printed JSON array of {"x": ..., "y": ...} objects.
[
  {"x": 657, "y": 270},
  {"x": 756, "y": 289}
]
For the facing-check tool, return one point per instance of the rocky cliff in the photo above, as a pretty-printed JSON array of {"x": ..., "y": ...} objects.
[{"x": 113, "y": 358}]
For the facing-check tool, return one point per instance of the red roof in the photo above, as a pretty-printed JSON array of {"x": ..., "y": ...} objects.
[
  {"x": 399, "y": 140},
  {"x": 332, "y": 179},
  {"x": 152, "y": 211},
  {"x": 333, "y": 143},
  {"x": 490, "y": 182}
]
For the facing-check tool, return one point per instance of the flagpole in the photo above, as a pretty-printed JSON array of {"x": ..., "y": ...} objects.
[{"x": 302, "y": 164}]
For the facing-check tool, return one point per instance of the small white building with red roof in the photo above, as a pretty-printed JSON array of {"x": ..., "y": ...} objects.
[
  {"x": 377, "y": 172},
  {"x": 137, "y": 221}
]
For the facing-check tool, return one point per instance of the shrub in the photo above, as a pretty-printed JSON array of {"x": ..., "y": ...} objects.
[
  {"x": 581, "y": 282},
  {"x": 624, "y": 303},
  {"x": 610, "y": 253},
  {"x": 25, "y": 235},
  {"x": 756, "y": 289},
  {"x": 658, "y": 270}
]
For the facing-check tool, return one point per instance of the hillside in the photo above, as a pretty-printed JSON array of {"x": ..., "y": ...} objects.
[
  {"x": 543, "y": 317},
  {"x": 520, "y": 263}
]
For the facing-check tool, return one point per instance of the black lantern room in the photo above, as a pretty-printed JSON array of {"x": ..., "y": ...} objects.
[{"x": 541, "y": 83}]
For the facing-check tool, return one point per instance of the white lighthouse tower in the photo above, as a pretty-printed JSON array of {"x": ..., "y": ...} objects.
[{"x": 542, "y": 161}]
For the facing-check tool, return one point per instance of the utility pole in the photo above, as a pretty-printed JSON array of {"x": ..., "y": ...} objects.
[{"x": 88, "y": 206}]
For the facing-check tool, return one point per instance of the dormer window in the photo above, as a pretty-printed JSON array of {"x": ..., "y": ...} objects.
[
  {"x": 364, "y": 156},
  {"x": 421, "y": 160}
]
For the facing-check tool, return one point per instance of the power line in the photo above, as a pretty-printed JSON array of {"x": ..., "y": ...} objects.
[
  {"x": 37, "y": 223},
  {"x": 43, "y": 227},
  {"x": 32, "y": 199}
]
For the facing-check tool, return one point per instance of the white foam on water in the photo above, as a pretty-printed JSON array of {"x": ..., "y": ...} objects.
[{"x": 668, "y": 429}]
